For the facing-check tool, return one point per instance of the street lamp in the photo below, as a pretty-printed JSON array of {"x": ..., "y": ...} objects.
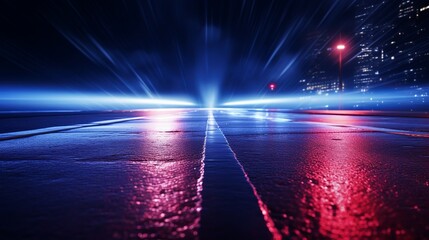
[{"x": 340, "y": 48}]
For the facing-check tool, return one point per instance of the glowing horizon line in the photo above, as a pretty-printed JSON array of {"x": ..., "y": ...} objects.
[
  {"x": 324, "y": 99},
  {"x": 56, "y": 99},
  {"x": 150, "y": 101},
  {"x": 259, "y": 101}
]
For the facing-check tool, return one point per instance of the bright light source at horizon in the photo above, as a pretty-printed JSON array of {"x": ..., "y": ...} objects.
[
  {"x": 149, "y": 101},
  {"x": 62, "y": 100}
]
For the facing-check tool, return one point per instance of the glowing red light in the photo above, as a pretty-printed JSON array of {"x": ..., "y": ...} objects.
[
  {"x": 272, "y": 86},
  {"x": 341, "y": 47}
]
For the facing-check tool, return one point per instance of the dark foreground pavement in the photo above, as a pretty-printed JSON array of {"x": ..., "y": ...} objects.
[{"x": 221, "y": 174}]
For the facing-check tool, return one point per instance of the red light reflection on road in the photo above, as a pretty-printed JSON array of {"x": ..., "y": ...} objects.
[
  {"x": 165, "y": 197},
  {"x": 338, "y": 199},
  {"x": 333, "y": 183},
  {"x": 335, "y": 119}
]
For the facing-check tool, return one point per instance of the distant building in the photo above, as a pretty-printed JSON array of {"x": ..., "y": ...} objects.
[
  {"x": 422, "y": 43},
  {"x": 321, "y": 75},
  {"x": 404, "y": 43},
  {"x": 391, "y": 42},
  {"x": 369, "y": 33},
  {"x": 393, "y": 48}
]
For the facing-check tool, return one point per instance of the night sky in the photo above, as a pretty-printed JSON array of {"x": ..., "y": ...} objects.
[{"x": 153, "y": 48}]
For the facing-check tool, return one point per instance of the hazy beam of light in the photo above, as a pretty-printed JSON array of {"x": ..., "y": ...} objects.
[
  {"x": 332, "y": 100},
  {"x": 142, "y": 83},
  {"x": 116, "y": 64},
  {"x": 286, "y": 36},
  {"x": 291, "y": 62},
  {"x": 276, "y": 50},
  {"x": 31, "y": 99}
]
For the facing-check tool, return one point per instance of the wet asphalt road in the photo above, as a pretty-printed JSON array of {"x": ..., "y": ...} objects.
[{"x": 237, "y": 174}]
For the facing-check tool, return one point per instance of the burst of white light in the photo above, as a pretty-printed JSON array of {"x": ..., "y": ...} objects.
[
  {"x": 67, "y": 100},
  {"x": 341, "y": 47},
  {"x": 143, "y": 101}
]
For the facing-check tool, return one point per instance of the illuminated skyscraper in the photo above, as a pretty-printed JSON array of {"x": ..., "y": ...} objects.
[
  {"x": 406, "y": 52},
  {"x": 321, "y": 72},
  {"x": 369, "y": 38},
  {"x": 393, "y": 44},
  {"x": 405, "y": 45},
  {"x": 422, "y": 60}
]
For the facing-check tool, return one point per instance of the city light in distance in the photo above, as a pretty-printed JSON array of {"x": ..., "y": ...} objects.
[{"x": 341, "y": 46}]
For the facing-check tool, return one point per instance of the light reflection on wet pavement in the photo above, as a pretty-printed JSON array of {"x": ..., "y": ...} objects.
[
  {"x": 130, "y": 180},
  {"x": 322, "y": 181},
  {"x": 318, "y": 176}
]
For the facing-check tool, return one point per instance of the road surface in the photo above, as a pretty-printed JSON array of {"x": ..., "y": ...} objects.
[{"x": 213, "y": 174}]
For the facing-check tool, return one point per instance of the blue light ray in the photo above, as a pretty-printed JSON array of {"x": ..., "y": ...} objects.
[
  {"x": 401, "y": 100},
  {"x": 11, "y": 99}
]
